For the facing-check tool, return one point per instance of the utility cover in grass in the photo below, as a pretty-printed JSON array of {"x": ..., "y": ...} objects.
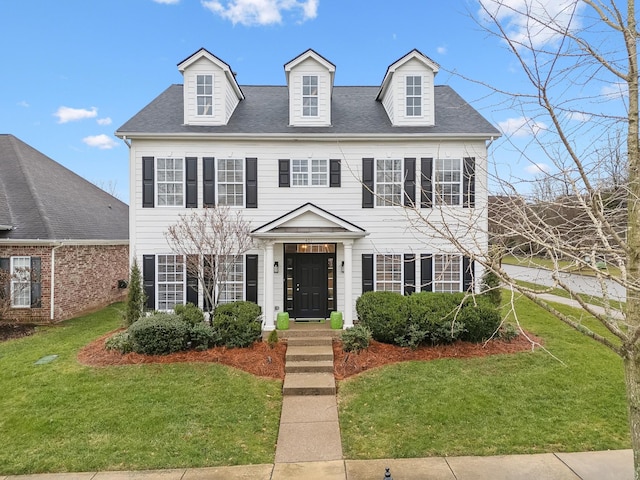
[{"x": 46, "y": 359}]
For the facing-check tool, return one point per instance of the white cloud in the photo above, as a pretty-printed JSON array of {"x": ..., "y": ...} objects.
[
  {"x": 532, "y": 22},
  {"x": 24, "y": 104},
  {"x": 104, "y": 121},
  {"x": 103, "y": 142},
  {"x": 579, "y": 116},
  {"x": 261, "y": 12},
  {"x": 536, "y": 168},
  {"x": 442, "y": 50},
  {"x": 167, "y": 2},
  {"x": 615, "y": 90},
  {"x": 68, "y": 114},
  {"x": 521, "y": 127}
]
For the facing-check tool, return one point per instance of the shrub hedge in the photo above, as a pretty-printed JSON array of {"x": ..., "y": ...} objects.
[
  {"x": 159, "y": 334},
  {"x": 237, "y": 324}
]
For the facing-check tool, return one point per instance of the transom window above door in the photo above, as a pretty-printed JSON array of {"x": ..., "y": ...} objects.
[{"x": 310, "y": 172}]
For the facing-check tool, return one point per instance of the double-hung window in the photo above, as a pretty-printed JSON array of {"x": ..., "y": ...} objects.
[
  {"x": 311, "y": 172},
  {"x": 230, "y": 182},
  {"x": 170, "y": 182},
  {"x": 388, "y": 273},
  {"x": 447, "y": 273},
  {"x": 309, "y": 95},
  {"x": 232, "y": 278},
  {"x": 20, "y": 282},
  {"x": 448, "y": 181},
  {"x": 204, "y": 94},
  {"x": 414, "y": 95},
  {"x": 171, "y": 281},
  {"x": 388, "y": 182}
]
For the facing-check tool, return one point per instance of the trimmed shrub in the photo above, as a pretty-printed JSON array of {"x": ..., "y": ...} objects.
[
  {"x": 480, "y": 322},
  {"x": 159, "y": 334},
  {"x": 491, "y": 288},
  {"x": 384, "y": 313},
  {"x": 356, "y": 338},
  {"x": 237, "y": 324},
  {"x": 135, "y": 296},
  {"x": 119, "y": 342},
  {"x": 273, "y": 339},
  {"x": 201, "y": 336},
  {"x": 189, "y": 313},
  {"x": 435, "y": 315},
  {"x": 413, "y": 338}
]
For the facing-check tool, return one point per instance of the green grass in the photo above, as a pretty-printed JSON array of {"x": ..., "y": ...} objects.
[
  {"x": 541, "y": 262},
  {"x": 523, "y": 403},
  {"x": 559, "y": 292},
  {"x": 63, "y": 416}
]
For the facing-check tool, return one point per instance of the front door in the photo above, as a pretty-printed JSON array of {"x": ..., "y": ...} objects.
[{"x": 310, "y": 296}]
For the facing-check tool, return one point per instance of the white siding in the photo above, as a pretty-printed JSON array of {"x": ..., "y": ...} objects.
[
  {"x": 310, "y": 67},
  {"x": 391, "y": 229},
  {"x": 222, "y": 105}
]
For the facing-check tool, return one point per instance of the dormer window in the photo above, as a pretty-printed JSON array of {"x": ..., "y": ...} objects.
[
  {"x": 204, "y": 93},
  {"x": 414, "y": 96},
  {"x": 309, "y": 95}
]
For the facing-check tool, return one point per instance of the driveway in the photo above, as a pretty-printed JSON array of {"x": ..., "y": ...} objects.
[{"x": 579, "y": 283}]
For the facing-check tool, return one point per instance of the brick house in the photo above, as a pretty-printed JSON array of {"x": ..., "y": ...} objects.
[{"x": 63, "y": 240}]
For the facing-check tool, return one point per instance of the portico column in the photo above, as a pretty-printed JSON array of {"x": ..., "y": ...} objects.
[
  {"x": 269, "y": 317},
  {"x": 348, "y": 283}
]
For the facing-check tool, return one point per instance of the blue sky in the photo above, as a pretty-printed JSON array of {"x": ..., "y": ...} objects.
[{"x": 73, "y": 71}]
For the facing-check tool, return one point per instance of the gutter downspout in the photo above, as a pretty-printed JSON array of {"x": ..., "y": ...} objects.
[{"x": 53, "y": 281}]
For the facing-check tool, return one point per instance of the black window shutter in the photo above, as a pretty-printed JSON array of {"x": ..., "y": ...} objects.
[
  {"x": 283, "y": 173},
  {"x": 252, "y": 182},
  {"x": 469, "y": 183},
  {"x": 426, "y": 272},
  {"x": 334, "y": 173},
  {"x": 209, "y": 182},
  {"x": 468, "y": 273},
  {"x": 367, "y": 183},
  {"x": 147, "y": 182},
  {"x": 36, "y": 282},
  {"x": 149, "y": 280},
  {"x": 191, "y": 182},
  {"x": 426, "y": 186},
  {"x": 409, "y": 182},
  {"x": 5, "y": 265},
  {"x": 409, "y": 273},
  {"x": 208, "y": 266},
  {"x": 367, "y": 272},
  {"x": 192, "y": 279},
  {"x": 251, "y": 278}
]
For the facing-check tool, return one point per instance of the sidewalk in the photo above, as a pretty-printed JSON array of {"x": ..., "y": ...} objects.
[{"x": 607, "y": 465}]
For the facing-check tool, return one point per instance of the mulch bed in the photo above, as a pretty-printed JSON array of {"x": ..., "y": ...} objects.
[{"x": 262, "y": 360}]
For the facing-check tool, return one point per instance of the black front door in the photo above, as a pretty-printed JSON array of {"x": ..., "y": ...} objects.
[{"x": 310, "y": 295}]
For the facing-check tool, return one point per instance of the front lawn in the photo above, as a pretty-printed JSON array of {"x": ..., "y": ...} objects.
[
  {"x": 524, "y": 403},
  {"x": 63, "y": 416}
]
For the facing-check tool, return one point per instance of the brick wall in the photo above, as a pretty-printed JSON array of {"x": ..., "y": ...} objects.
[{"x": 86, "y": 279}]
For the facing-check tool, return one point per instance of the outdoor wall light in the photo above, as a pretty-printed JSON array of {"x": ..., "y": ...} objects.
[
  {"x": 342, "y": 267},
  {"x": 276, "y": 267}
]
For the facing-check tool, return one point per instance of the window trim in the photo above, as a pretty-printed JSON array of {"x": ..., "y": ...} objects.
[
  {"x": 437, "y": 274},
  {"x": 437, "y": 184},
  {"x": 413, "y": 96},
  {"x": 204, "y": 95},
  {"x": 159, "y": 283},
  {"x": 396, "y": 258},
  {"x": 310, "y": 96},
  {"x": 309, "y": 173},
  {"x": 20, "y": 278},
  {"x": 220, "y": 183},
  {"x": 180, "y": 183},
  {"x": 379, "y": 197}
]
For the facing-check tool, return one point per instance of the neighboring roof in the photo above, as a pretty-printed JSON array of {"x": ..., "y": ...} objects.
[
  {"x": 265, "y": 110},
  {"x": 42, "y": 200}
]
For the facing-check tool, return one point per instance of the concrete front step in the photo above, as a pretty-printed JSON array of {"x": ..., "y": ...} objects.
[
  {"x": 309, "y": 366},
  {"x": 309, "y": 384},
  {"x": 308, "y": 353},
  {"x": 317, "y": 332},
  {"x": 308, "y": 341}
]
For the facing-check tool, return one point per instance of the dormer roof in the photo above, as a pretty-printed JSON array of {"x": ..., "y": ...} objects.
[
  {"x": 310, "y": 54},
  {"x": 225, "y": 67},
  {"x": 413, "y": 54}
]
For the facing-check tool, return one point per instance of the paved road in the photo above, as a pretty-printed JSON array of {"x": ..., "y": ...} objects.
[{"x": 580, "y": 283}]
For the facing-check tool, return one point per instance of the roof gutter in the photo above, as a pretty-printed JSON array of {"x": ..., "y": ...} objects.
[{"x": 67, "y": 242}]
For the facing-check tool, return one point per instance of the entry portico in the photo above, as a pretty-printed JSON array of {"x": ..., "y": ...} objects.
[{"x": 308, "y": 264}]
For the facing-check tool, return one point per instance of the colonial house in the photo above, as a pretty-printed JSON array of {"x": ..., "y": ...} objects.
[
  {"x": 64, "y": 243},
  {"x": 331, "y": 178}
]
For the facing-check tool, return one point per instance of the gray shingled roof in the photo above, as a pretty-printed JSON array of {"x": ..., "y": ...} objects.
[
  {"x": 43, "y": 200},
  {"x": 265, "y": 110}
]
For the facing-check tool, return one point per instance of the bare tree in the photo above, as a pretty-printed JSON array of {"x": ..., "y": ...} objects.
[
  {"x": 580, "y": 63},
  {"x": 212, "y": 242}
]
